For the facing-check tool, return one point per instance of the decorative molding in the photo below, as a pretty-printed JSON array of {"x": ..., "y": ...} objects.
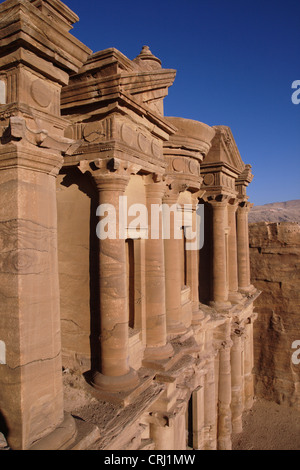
[
  {"x": 18, "y": 131},
  {"x": 41, "y": 94},
  {"x": 209, "y": 179}
]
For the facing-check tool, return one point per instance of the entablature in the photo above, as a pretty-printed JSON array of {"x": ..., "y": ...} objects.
[{"x": 219, "y": 178}]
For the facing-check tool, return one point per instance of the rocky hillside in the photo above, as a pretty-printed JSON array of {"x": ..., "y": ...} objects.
[{"x": 288, "y": 211}]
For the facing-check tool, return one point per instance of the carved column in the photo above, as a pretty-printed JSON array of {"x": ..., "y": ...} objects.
[
  {"x": 248, "y": 365},
  {"x": 114, "y": 373},
  {"x": 219, "y": 262},
  {"x": 162, "y": 434},
  {"x": 210, "y": 427},
  {"x": 243, "y": 247},
  {"x": 193, "y": 259},
  {"x": 236, "y": 381},
  {"x": 173, "y": 266},
  {"x": 156, "y": 324},
  {"x": 224, "y": 398},
  {"x": 198, "y": 416},
  {"x": 234, "y": 296}
]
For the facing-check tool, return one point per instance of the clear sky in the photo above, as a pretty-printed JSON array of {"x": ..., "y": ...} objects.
[{"x": 235, "y": 61}]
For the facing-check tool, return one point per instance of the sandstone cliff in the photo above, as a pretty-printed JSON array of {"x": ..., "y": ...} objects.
[{"x": 275, "y": 270}]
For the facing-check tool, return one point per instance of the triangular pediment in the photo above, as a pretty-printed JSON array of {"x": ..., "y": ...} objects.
[{"x": 224, "y": 150}]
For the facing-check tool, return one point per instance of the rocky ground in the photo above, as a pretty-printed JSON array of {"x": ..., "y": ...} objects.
[{"x": 269, "y": 426}]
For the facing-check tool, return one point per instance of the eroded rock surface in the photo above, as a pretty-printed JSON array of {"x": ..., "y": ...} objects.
[{"x": 275, "y": 270}]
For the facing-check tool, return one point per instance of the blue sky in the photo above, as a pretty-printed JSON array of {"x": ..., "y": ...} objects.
[{"x": 235, "y": 61}]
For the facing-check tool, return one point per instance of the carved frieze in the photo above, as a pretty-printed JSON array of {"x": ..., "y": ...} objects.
[
  {"x": 184, "y": 165},
  {"x": 137, "y": 139}
]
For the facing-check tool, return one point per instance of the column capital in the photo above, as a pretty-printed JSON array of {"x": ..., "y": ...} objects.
[
  {"x": 110, "y": 182},
  {"x": 155, "y": 186},
  {"x": 245, "y": 206},
  {"x": 233, "y": 204},
  {"x": 217, "y": 201},
  {"x": 237, "y": 331},
  {"x": 196, "y": 196},
  {"x": 173, "y": 191},
  {"x": 109, "y": 174}
]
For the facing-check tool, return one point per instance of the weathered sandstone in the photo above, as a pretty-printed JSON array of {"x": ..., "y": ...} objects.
[
  {"x": 158, "y": 330},
  {"x": 275, "y": 270}
]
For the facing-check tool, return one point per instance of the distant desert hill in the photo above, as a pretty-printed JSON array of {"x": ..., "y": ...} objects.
[{"x": 288, "y": 211}]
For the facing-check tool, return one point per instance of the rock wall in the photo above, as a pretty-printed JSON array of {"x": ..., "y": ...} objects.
[{"x": 275, "y": 270}]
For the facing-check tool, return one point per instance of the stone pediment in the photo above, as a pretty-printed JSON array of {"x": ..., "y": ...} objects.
[{"x": 224, "y": 150}]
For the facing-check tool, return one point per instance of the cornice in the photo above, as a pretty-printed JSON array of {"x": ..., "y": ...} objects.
[{"x": 23, "y": 23}]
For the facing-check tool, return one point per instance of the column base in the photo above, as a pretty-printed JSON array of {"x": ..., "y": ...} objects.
[
  {"x": 225, "y": 444},
  {"x": 175, "y": 329},
  {"x": 237, "y": 425},
  {"x": 247, "y": 290},
  {"x": 235, "y": 297},
  {"x": 197, "y": 316},
  {"x": 115, "y": 384},
  {"x": 59, "y": 439},
  {"x": 124, "y": 398},
  {"x": 159, "y": 353},
  {"x": 220, "y": 305}
]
